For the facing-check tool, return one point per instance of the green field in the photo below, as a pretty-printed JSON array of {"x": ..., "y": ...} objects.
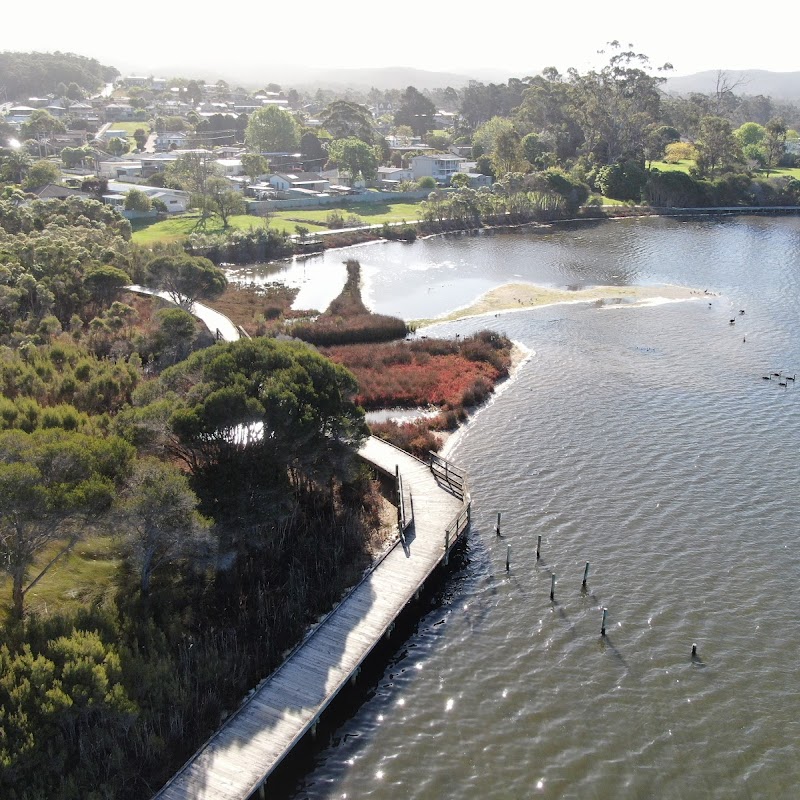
[
  {"x": 180, "y": 226},
  {"x": 129, "y": 128},
  {"x": 371, "y": 213}
]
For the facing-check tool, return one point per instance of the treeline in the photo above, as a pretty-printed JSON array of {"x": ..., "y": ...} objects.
[{"x": 38, "y": 74}]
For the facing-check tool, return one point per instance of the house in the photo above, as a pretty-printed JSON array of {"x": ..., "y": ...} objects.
[
  {"x": 463, "y": 150},
  {"x": 171, "y": 140},
  {"x": 230, "y": 167},
  {"x": 119, "y": 112},
  {"x": 120, "y": 170},
  {"x": 113, "y": 133},
  {"x": 136, "y": 80},
  {"x": 477, "y": 180},
  {"x": 439, "y": 166},
  {"x": 391, "y": 177},
  {"x": 52, "y": 191},
  {"x": 305, "y": 181},
  {"x": 175, "y": 200}
]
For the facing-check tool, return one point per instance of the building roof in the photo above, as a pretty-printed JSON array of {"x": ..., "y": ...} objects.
[{"x": 51, "y": 191}]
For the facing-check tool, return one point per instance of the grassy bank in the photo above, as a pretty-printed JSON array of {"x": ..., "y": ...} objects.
[{"x": 177, "y": 228}]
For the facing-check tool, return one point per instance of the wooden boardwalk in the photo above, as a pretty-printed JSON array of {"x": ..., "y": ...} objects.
[{"x": 237, "y": 759}]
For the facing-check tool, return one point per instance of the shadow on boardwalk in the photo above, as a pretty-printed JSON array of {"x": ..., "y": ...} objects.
[{"x": 244, "y": 751}]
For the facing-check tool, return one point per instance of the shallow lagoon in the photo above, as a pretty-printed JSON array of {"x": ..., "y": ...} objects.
[{"x": 645, "y": 441}]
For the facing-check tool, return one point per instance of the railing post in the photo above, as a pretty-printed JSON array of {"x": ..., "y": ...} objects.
[{"x": 446, "y": 546}]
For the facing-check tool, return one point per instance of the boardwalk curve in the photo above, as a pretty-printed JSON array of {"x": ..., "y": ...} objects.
[{"x": 241, "y": 755}]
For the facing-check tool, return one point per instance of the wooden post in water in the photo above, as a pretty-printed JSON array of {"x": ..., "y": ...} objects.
[
  {"x": 538, "y": 547},
  {"x": 694, "y": 651},
  {"x": 552, "y": 585},
  {"x": 508, "y": 558},
  {"x": 585, "y": 574},
  {"x": 497, "y": 527},
  {"x": 262, "y": 792},
  {"x": 603, "y": 627}
]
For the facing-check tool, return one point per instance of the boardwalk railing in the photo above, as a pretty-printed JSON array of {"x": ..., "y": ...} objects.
[
  {"x": 405, "y": 510},
  {"x": 455, "y": 478},
  {"x": 458, "y": 526}
]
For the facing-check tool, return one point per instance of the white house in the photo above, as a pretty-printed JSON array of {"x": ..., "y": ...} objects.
[
  {"x": 120, "y": 170},
  {"x": 175, "y": 200},
  {"x": 440, "y": 166},
  {"x": 392, "y": 176},
  {"x": 171, "y": 140},
  {"x": 307, "y": 181},
  {"x": 230, "y": 167}
]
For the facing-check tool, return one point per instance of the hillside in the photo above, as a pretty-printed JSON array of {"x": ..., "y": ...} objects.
[{"x": 778, "y": 85}]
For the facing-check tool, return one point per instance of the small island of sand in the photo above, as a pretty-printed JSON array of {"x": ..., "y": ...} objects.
[{"x": 516, "y": 296}]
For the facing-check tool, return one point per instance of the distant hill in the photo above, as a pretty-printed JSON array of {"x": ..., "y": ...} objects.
[
  {"x": 27, "y": 74},
  {"x": 254, "y": 75},
  {"x": 777, "y": 85}
]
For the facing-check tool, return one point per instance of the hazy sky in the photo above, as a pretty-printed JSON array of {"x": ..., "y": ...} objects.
[{"x": 517, "y": 38}]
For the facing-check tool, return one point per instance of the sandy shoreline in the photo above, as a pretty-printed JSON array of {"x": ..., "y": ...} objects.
[{"x": 518, "y": 296}]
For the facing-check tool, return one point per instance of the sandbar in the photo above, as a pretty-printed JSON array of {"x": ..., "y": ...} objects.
[{"x": 517, "y": 296}]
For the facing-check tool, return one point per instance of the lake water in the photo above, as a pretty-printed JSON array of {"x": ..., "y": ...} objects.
[{"x": 642, "y": 440}]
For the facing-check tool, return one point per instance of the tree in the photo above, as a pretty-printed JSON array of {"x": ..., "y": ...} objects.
[
  {"x": 311, "y": 147},
  {"x": 279, "y": 406},
  {"x": 254, "y": 165},
  {"x": 14, "y": 163},
  {"x": 615, "y": 106},
  {"x": 459, "y": 180},
  {"x": 177, "y": 329},
  {"x": 750, "y": 133},
  {"x": 507, "y": 153},
  {"x": 53, "y": 483},
  {"x": 137, "y": 200},
  {"x": 676, "y": 152},
  {"x": 271, "y": 130},
  {"x": 40, "y": 173},
  {"x": 40, "y": 123},
  {"x": 140, "y": 137},
  {"x": 355, "y": 156},
  {"x": 160, "y": 521},
  {"x": 486, "y": 135},
  {"x": 222, "y": 200},
  {"x": 344, "y": 119},
  {"x": 118, "y": 146},
  {"x": 717, "y": 148},
  {"x": 533, "y": 148},
  {"x": 775, "y": 142},
  {"x": 186, "y": 278},
  {"x": 416, "y": 111},
  {"x": 105, "y": 282}
]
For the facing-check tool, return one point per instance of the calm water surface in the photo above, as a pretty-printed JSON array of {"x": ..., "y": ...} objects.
[{"x": 644, "y": 441}]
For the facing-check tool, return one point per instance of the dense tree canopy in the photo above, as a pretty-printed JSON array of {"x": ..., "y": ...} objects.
[
  {"x": 38, "y": 74},
  {"x": 271, "y": 130}
]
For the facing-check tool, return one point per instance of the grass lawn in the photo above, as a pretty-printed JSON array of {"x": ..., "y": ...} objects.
[
  {"x": 787, "y": 172},
  {"x": 371, "y": 213},
  {"x": 682, "y": 166},
  {"x": 180, "y": 226},
  {"x": 81, "y": 576},
  {"x": 130, "y": 128}
]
